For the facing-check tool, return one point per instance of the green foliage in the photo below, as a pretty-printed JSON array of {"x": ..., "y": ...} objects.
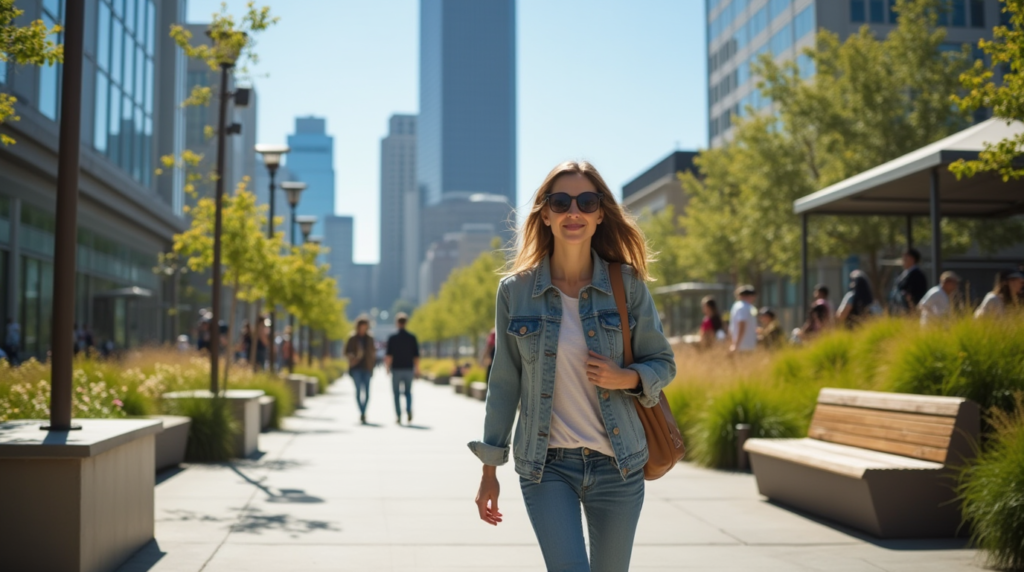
[
  {"x": 212, "y": 432},
  {"x": 664, "y": 234},
  {"x": 23, "y": 45},
  {"x": 992, "y": 490},
  {"x": 1005, "y": 98},
  {"x": 476, "y": 373}
]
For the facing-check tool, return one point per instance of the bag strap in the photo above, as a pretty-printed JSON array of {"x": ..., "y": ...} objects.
[{"x": 619, "y": 291}]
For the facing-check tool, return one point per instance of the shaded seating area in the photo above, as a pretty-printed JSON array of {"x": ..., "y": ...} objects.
[{"x": 878, "y": 462}]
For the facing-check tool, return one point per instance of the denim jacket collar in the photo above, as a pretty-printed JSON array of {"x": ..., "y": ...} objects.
[{"x": 600, "y": 280}]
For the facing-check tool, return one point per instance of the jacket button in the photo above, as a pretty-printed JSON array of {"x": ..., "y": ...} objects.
[
  {"x": 625, "y": 471},
  {"x": 522, "y": 330},
  {"x": 604, "y": 395},
  {"x": 585, "y": 295},
  {"x": 615, "y": 431},
  {"x": 590, "y": 333},
  {"x": 586, "y": 451}
]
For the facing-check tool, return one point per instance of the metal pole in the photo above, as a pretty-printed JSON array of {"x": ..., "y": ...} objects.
[
  {"x": 66, "y": 233},
  {"x": 804, "y": 268},
  {"x": 936, "y": 215},
  {"x": 291, "y": 317},
  {"x": 270, "y": 307},
  {"x": 910, "y": 232},
  {"x": 309, "y": 346},
  {"x": 217, "y": 224}
]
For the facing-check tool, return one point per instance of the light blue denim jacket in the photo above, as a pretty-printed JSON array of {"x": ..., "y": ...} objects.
[{"x": 529, "y": 313}]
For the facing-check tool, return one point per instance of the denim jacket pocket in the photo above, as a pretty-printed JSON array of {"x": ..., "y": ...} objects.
[
  {"x": 611, "y": 325},
  {"x": 527, "y": 334}
]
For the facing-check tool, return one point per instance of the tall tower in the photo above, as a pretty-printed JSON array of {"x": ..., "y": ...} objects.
[
  {"x": 311, "y": 161},
  {"x": 399, "y": 210},
  {"x": 467, "y": 121}
]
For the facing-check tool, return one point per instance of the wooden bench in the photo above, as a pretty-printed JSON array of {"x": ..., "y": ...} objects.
[{"x": 878, "y": 462}]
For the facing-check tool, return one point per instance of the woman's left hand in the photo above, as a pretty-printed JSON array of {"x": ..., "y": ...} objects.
[{"x": 603, "y": 372}]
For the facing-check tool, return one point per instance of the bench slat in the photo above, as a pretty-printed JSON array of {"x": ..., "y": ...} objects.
[
  {"x": 927, "y": 404},
  {"x": 902, "y": 435},
  {"x": 867, "y": 418},
  {"x": 924, "y": 452}
]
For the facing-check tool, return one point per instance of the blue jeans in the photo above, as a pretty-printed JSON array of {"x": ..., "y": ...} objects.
[
  {"x": 612, "y": 506},
  {"x": 400, "y": 377},
  {"x": 362, "y": 379}
]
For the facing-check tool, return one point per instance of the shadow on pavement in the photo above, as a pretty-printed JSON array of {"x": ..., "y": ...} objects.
[
  {"x": 256, "y": 522},
  {"x": 285, "y": 496},
  {"x": 167, "y": 474},
  {"x": 419, "y": 427},
  {"x": 145, "y": 559}
]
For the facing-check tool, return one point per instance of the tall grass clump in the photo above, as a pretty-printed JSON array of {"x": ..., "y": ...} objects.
[
  {"x": 212, "y": 432},
  {"x": 992, "y": 490},
  {"x": 284, "y": 405}
]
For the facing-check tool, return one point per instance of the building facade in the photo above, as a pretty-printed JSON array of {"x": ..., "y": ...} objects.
[
  {"x": 659, "y": 186},
  {"x": 453, "y": 250},
  {"x": 133, "y": 85},
  {"x": 740, "y": 31},
  {"x": 355, "y": 281},
  {"x": 399, "y": 210},
  {"x": 467, "y": 121},
  {"x": 311, "y": 160}
]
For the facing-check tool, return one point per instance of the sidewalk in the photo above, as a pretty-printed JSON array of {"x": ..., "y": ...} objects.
[{"x": 331, "y": 495}]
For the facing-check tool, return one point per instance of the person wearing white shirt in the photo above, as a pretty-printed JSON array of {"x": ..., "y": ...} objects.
[
  {"x": 936, "y": 302},
  {"x": 743, "y": 321}
]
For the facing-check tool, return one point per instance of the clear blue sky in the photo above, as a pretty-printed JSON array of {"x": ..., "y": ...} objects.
[{"x": 620, "y": 83}]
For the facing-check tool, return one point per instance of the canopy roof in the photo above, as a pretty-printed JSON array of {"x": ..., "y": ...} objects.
[{"x": 902, "y": 186}]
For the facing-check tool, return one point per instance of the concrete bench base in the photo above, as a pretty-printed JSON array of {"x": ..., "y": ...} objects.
[
  {"x": 478, "y": 390},
  {"x": 312, "y": 386},
  {"x": 245, "y": 408},
  {"x": 80, "y": 501},
  {"x": 458, "y": 384},
  {"x": 268, "y": 406},
  {"x": 172, "y": 442},
  {"x": 297, "y": 385}
]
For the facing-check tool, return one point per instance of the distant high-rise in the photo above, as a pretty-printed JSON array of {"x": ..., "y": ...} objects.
[
  {"x": 399, "y": 212},
  {"x": 355, "y": 281},
  {"x": 467, "y": 122},
  {"x": 311, "y": 161}
]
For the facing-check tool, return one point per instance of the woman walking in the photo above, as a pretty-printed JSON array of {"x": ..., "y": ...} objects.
[
  {"x": 1005, "y": 294},
  {"x": 858, "y": 301},
  {"x": 711, "y": 327},
  {"x": 557, "y": 358}
]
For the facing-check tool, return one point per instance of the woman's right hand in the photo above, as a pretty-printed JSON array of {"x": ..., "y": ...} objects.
[{"x": 487, "y": 496}]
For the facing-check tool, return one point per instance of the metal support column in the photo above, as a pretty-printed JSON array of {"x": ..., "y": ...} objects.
[
  {"x": 936, "y": 216},
  {"x": 804, "y": 267},
  {"x": 910, "y": 231}
]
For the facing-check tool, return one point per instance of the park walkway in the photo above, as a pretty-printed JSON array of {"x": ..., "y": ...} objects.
[{"x": 330, "y": 495}]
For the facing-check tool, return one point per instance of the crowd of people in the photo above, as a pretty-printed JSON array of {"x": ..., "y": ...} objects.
[{"x": 749, "y": 327}]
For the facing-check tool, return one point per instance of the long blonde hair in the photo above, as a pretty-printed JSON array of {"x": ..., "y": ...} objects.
[{"x": 617, "y": 238}]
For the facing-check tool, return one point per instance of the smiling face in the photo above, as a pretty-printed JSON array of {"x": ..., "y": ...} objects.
[{"x": 573, "y": 226}]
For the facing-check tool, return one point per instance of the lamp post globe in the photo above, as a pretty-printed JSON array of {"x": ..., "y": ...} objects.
[
  {"x": 272, "y": 155},
  {"x": 306, "y": 223}
]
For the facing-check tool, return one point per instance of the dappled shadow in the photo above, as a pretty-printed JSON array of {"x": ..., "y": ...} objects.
[
  {"x": 282, "y": 496},
  {"x": 167, "y": 474},
  {"x": 419, "y": 427},
  {"x": 145, "y": 559},
  {"x": 181, "y": 515},
  {"x": 270, "y": 465},
  {"x": 255, "y": 521},
  {"x": 312, "y": 431}
]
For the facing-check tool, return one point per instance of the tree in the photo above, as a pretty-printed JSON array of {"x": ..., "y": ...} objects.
[
  {"x": 1006, "y": 99},
  {"x": 24, "y": 45}
]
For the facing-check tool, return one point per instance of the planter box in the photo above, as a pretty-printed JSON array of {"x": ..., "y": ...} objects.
[
  {"x": 312, "y": 386},
  {"x": 76, "y": 500},
  {"x": 441, "y": 379},
  {"x": 268, "y": 404},
  {"x": 245, "y": 408},
  {"x": 459, "y": 384},
  {"x": 172, "y": 442},
  {"x": 478, "y": 390},
  {"x": 297, "y": 385}
]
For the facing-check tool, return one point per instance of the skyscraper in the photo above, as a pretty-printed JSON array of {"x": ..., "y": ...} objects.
[
  {"x": 399, "y": 210},
  {"x": 739, "y": 31},
  {"x": 311, "y": 161},
  {"x": 355, "y": 281},
  {"x": 467, "y": 121}
]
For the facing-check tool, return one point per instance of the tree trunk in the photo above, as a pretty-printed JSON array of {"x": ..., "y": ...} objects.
[{"x": 254, "y": 337}]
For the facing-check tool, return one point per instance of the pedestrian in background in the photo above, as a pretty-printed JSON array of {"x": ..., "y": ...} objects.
[
  {"x": 362, "y": 357},
  {"x": 12, "y": 341},
  {"x": 858, "y": 302},
  {"x": 769, "y": 335},
  {"x": 910, "y": 286},
  {"x": 743, "y": 320},
  {"x": 402, "y": 361},
  {"x": 488, "y": 356},
  {"x": 938, "y": 301},
  {"x": 711, "y": 327},
  {"x": 821, "y": 298},
  {"x": 1005, "y": 294},
  {"x": 817, "y": 322}
]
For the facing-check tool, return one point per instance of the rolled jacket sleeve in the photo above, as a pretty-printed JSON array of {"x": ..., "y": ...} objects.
[
  {"x": 653, "y": 358},
  {"x": 504, "y": 388}
]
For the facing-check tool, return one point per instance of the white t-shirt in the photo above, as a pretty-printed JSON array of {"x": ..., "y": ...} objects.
[
  {"x": 992, "y": 305},
  {"x": 934, "y": 305},
  {"x": 576, "y": 419},
  {"x": 743, "y": 312}
]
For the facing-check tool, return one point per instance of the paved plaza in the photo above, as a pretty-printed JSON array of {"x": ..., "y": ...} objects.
[{"x": 328, "y": 494}]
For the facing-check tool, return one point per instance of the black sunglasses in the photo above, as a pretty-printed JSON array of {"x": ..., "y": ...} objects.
[{"x": 588, "y": 202}]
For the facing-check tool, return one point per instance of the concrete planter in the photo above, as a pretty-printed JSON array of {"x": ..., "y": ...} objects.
[
  {"x": 297, "y": 385},
  {"x": 459, "y": 384},
  {"x": 268, "y": 404},
  {"x": 172, "y": 442},
  {"x": 245, "y": 408},
  {"x": 478, "y": 390},
  {"x": 312, "y": 386},
  {"x": 440, "y": 379},
  {"x": 76, "y": 500}
]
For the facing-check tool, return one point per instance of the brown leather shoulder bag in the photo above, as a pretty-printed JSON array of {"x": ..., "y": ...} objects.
[{"x": 664, "y": 443}]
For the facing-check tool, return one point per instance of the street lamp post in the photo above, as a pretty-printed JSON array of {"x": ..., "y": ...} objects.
[
  {"x": 294, "y": 190},
  {"x": 306, "y": 223},
  {"x": 272, "y": 159},
  {"x": 309, "y": 333}
]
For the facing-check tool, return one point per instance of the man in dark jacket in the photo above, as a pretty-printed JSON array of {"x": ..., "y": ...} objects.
[
  {"x": 910, "y": 286},
  {"x": 402, "y": 360},
  {"x": 361, "y": 355}
]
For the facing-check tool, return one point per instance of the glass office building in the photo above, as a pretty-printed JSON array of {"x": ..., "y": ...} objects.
[
  {"x": 740, "y": 31},
  {"x": 467, "y": 121},
  {"x": 311, "y": 160}
]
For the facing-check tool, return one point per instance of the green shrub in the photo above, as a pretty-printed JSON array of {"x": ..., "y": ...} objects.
[
  {"x": 992, "y": 491},
  {"x": 323, "y": 381},
  {"x": 712, "y": 438},
  {"x": 476, "y": 373},
  {"x": 212, "y": 433}
]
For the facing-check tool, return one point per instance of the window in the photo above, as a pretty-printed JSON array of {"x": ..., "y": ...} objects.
[
  {"x": 150, "y": 27},
  {"x": 959, "y": 13},
  {"x": 877, "y": 11},
  {"x": 944, "y": 10},
  {"x": 49, "y": 75},
  {"x": 138, "y": 144},
  {"x": 140, "y": 75},
  {"x": 103, "y": 39},
  {"x": 782, "y": 40},
  {"x": 149, "y": 86},
  {"x": 742, "y": 73},
  {"x": 114, "y": 137},
  {"x": 3, "y": 71},
  {"x": 116, "y": 50},
  {"x": 857, "y": 11},
  {"x": 758, "y": 22},
  {"x": 977, "y": 13},
  {"x": 129, "y": 67},
  {"x": 803, "y": 24},
  {"x": 806, "y": 66},
  {"x": 129, "y": 15},
  {"x": 777, "y": 7},
  {"x": 127, "y": 130},
  {"x": 102, "y": 94},
  {"x": 894, "y": 17}
]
